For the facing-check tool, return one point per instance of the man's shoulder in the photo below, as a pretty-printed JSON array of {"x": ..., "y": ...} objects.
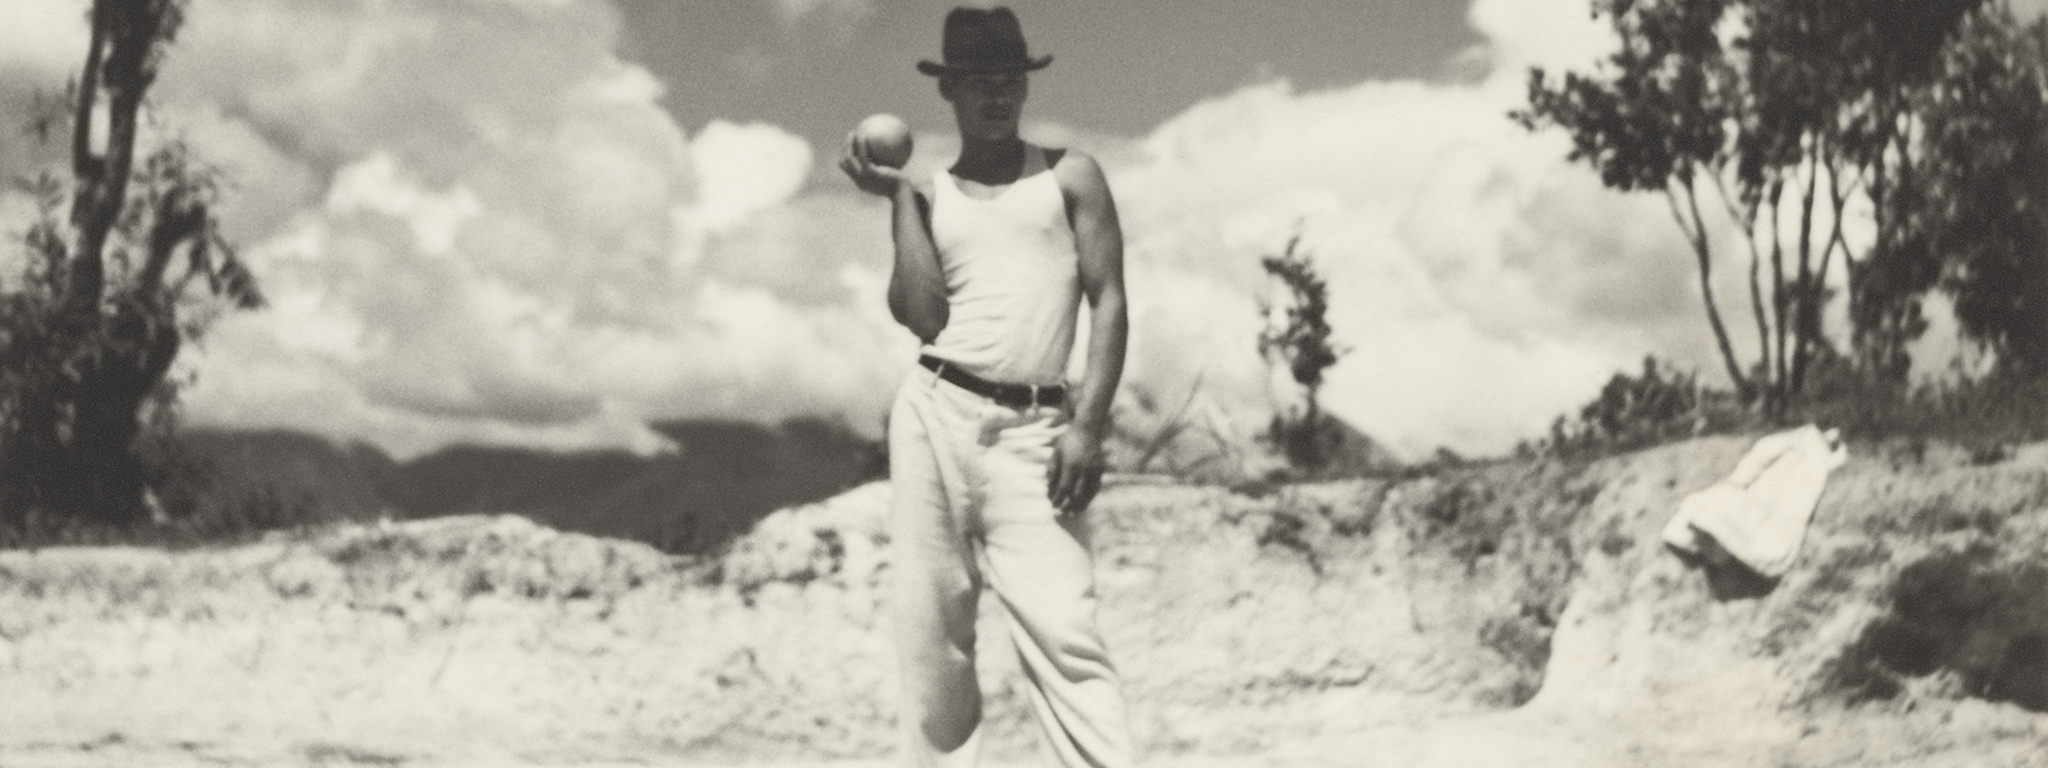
[
  {"x": 1076, "y": 170},
  {"x": 1071, "y": 160}
]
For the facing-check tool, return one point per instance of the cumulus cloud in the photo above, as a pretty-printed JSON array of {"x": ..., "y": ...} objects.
[
  {"x": 1417, "y": 204},
  {"x": 46, "y": 36},
  {"x": 1480, "y": 284},
  {"x": 476, "y": 223},
  {"x": 744, "y": 169}
]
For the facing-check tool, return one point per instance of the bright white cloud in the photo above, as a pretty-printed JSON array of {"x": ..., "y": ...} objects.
[
  {"x": 374, "y": 186},
  {"x": 43, "y": 36},
  {"x": 475, "y": 223},
  {"x": 1552, "y": 34},
  {"x": 1481, "y": 285},
  {"x": 488, "y": 229},
  {"x": 745, "y": 169}
]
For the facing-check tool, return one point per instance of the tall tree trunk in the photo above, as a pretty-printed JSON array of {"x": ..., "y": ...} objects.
[
  {"x": 1774, "y": 366},
  {"x": 1803, "y": 295},
  {"x": 1745, "y": 216},
  {"x": 1756, "y": 293},
  {"x": 1696, "y": 232},
  {"x": 1838, "y": 202}
]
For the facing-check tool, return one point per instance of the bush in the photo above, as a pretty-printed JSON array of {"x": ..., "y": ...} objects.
[
  {"x": 1959, "y": 614},
  {"x": 1986, "y": 412},
  {"x": 190, "y": 499},
  {"x": 1660, "y": 405},
  {"x": 113, "y": 263},
  {"x": 2002, "y": 407}
]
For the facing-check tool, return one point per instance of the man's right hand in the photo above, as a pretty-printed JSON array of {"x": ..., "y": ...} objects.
[{"x": 869, "y": 176}]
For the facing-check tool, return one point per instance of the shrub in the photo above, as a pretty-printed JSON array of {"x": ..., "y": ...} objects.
[
  {"x": 1659, "y": 405},
  {"x": 1300, "y": 343},
  {"x": 1959, "y": 614},
  {"x": 1988, "y": 411},
  {"x": 120, "y": 250},
  {"x": 2004, "y": 406}
]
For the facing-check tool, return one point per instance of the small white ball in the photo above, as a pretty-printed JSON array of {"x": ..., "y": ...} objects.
[{"x": 887, "y": 139}]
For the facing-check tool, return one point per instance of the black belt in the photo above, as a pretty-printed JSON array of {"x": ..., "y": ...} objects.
[{"x": 1012, "y": 395}]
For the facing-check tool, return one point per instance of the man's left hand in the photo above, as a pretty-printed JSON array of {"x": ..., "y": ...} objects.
[{"x": 1076, "y": 472}]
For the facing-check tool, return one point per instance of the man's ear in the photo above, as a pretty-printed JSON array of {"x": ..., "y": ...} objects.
[{"x": 946, "y": 83}]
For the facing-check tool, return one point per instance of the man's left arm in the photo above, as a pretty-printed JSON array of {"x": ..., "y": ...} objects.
[{"x": 1077, "y": 457}]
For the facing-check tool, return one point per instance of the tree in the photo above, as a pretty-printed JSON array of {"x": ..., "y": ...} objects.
[
  {"x": 91, "y": 333},
  {"x": 1298, "y": 340},
  {"x": 1892, "y": 64},
  {"x": 1657, "y": 119},
  {"x": 1983, "y": 172},
  {"x": 1754, "y": 99}
]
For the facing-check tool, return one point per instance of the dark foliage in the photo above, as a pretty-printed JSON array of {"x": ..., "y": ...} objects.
[
  {"x": 1662, "y": 404},
  {"x": 1961, "y": 613},
  {"x": 1931, "y": 112},
  {"x": 1302, "y": 345},
  {"x": 91, "y": 331}
]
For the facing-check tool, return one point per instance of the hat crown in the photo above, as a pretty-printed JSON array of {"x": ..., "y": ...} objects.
[
  {"x": 983, "y": 40},
  {"x": 977, "y": 37}
]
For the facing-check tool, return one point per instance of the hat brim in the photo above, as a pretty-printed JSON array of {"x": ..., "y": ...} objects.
[{"x": 936, "y": 69}]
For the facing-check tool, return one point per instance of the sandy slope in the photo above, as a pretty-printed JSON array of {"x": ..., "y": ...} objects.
[{"x": 1347, "y": 624}]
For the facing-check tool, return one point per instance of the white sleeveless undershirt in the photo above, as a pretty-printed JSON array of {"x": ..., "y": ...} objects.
[{"x": 1012, "y": 279}]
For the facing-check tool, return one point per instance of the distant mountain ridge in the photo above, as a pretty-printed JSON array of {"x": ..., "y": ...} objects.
[{"x": 724, "y": 477}]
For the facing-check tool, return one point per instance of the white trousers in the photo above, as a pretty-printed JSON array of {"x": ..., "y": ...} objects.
[{"x": 966, "y": 474}]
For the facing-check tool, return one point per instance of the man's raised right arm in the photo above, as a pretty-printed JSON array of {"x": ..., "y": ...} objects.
[{"x": 917, "y": 285}]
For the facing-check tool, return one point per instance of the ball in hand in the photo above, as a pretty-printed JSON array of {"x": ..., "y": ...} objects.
[{"x": 887, "y": 139}]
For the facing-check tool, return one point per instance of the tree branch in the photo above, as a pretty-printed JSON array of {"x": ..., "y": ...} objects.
[
  {"x": 84, "y": 166},
  {"x": 1747, "y": 220},
  {"x": 1805, "y": 317},
  {"x": 1774, "y": 365},
  {"x": 1697, "y": 233}
]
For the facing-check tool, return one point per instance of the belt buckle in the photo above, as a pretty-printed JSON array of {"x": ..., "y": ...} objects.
[{"x": 1034, "y": 396}]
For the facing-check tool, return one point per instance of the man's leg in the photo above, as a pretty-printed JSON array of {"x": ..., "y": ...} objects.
[
  {"x": 1039, "y": 564},
  {"x": 934, "y": 582}
]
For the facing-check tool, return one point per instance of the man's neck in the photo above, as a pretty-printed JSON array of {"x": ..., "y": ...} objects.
[{"x": 991, "y": 161}]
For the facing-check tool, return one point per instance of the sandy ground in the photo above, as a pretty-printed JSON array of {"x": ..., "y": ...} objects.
[{"x": 1519, "y": 614}]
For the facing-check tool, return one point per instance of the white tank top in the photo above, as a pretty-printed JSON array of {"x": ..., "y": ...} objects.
[{"x": 1012, "y": 279}]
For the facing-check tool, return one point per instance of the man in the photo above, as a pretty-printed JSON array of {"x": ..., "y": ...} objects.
[{"x": 986, "y": 446}]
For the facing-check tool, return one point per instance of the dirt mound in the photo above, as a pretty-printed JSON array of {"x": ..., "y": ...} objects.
[
  {"x": 1517, "y": 613},
  {"x": 1771, "y": 677}
]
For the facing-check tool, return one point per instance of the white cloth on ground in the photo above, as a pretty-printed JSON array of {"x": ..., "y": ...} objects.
[{"x": 1759, "y": 514}]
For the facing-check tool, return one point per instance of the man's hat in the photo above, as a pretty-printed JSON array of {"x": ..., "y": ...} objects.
[{"x": 978, "y": 41}]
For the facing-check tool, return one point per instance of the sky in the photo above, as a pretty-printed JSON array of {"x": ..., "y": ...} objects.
[{"x": 547, "y": 222}]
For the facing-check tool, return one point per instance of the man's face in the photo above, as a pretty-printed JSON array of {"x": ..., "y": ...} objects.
[{"x": 987, "y": 106}]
